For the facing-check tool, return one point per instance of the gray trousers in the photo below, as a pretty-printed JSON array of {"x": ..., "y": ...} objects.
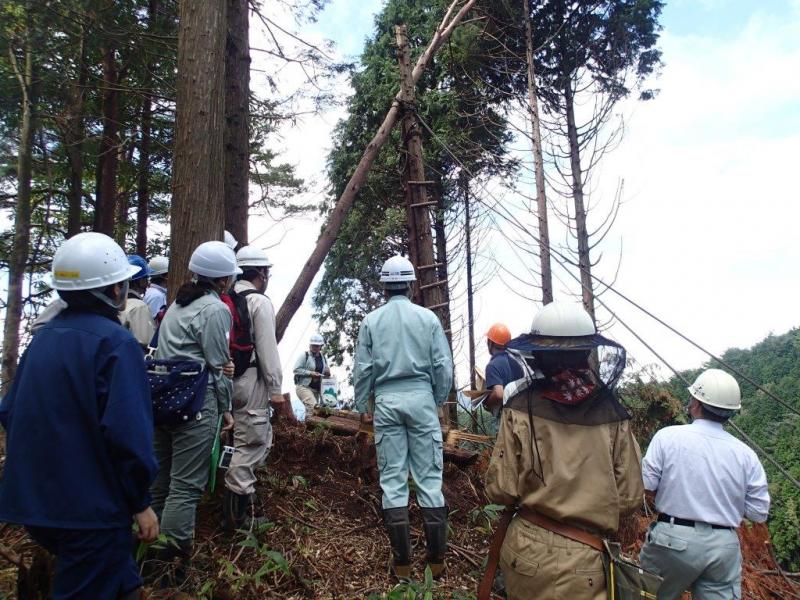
[
  {"x": 701, "y": 559},
  {"x": 252, "y": 432},
  {"x": 184, "y": 455}
]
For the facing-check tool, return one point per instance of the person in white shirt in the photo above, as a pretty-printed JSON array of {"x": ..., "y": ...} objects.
[
  {"x": 704, "y": 481},
  {"x": 156, "y": 295}
]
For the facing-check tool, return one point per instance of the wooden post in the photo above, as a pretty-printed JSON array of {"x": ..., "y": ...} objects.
[{"x": 470, "y": 307}]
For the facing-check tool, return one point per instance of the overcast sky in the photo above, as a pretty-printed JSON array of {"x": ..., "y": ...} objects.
[{"x": 708, "y": 230}]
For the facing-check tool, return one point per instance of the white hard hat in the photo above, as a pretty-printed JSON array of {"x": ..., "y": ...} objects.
[
  {"x": 89, "y": 261},
  {"x": 316, "y": 340},
  {"x": 717, "y": 388},
  {"x": 250, "y": 256},
  {"x": 214, "y": 260},
  {"x": 397, "y": 269},
  {"x": 563, "y": 319},
  {"x": 230, "y": 241},
  {"x": 159, "y": 265}
]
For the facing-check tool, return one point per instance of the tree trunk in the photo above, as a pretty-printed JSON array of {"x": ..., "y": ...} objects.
[
  {"x": 581, "y": 232},
  {"x": 538, "y": 165},
  {"x": 143, "y": 168},
  {"x": 22, "y": 217},
  {"x": 197, "y": 210},
  {"x": 295, "y": 297},
  {"x": 106, "y": 193},
  {"x": 73, "y": 140},
  {"x": 237, "y": 108},
  {"x": 431, "y": 289},
  {"x": 470, "y": 304},
  {"x": 143, "y": 176}
]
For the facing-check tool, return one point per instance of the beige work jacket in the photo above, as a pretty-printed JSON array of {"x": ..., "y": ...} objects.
[
  {"x": 592, "y": 473},
  {"x": 137, "y": 319}
]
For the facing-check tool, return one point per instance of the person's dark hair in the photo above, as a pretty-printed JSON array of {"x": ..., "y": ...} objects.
[
  {"x": 251, "y": 273},
  {"x": 495, "y": 346},
  {"x": 192, "y": 290},
  {"x": 83, "y": 301},
  {"x": 159, "y": 280},
  {"x": 397, "y": 292},
  {"x": 712, "y": 413},
  {"x": 140, "y": 285}
]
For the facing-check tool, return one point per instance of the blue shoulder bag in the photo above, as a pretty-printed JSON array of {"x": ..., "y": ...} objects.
[{"x": 177, "y": 388}]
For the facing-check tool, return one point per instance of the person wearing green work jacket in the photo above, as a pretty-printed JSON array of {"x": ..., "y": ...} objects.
[
  {"x": 404, "y": 359},
  {"x": 195, "y": 327}
]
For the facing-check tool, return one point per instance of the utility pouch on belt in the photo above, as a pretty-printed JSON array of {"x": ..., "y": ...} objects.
[
  {"x": 625, "y": 580},
  {"x": 177, "y": 388}
]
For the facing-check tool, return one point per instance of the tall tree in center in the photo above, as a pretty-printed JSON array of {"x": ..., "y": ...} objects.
[
  {"x": 237, "y": 97},
  {"x": 198, "y": 183}
]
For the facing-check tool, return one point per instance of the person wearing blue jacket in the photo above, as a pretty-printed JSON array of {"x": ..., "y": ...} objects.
[
  {"x": 403, "y": 358},
  {"x": 79, "y": 430}
]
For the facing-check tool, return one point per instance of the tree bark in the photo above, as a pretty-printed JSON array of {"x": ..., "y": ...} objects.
[
  {"x": 74, "y": 133},
  {"x": 581, "y": 231},
  {"x": 295, "y": 297},
  {"x": 538, "y": 164},
  {"x": 106, "y": 193},
  {"x": 143, "y": 168},
  {"x": 237, "y": 109},
  {"x": 22, "y": 217},
  {"x": 197, "y": 210}
]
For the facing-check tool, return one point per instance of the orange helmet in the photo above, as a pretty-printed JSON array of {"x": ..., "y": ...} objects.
[{"x": 499, "y": 334}]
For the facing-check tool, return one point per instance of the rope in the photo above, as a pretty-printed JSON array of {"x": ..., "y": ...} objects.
[{"x": 561, "y": 260}]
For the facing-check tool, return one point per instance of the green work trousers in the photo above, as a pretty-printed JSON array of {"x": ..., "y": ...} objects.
[
  {"x": 183, "y": 453},
  {"x": 408, "y": 435}
]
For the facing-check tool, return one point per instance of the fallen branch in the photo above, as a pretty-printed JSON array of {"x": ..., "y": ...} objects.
[{"x": 294, "y": 299}]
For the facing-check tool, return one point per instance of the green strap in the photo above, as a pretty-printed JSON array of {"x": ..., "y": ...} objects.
[{"x": 215, "y": 451}]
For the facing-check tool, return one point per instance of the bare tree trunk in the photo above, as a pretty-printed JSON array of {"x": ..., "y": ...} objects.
[
  {"x": 431, "y": 289},
  {"x": 74, "y": 133},
  {"x": 143, "y": 171},
  {"x": 22, "y": 217},
  {"x": 538, "y": 164},
  {"x": 197, "y": 211},
  {"x": 106, "y": 196},
  {"x": 295, "y": 297},
  {"x": 470, "y": 304},
  {"x": 582, "y": 233},
  {"x": 237, "y": 108},
  {"x": 143, "y": 177}
]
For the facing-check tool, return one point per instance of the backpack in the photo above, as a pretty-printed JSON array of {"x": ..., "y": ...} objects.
[{"x": 241, "y": 342}]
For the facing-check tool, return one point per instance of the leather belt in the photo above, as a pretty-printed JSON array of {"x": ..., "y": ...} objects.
[
  {"x": 567, "y": 531},
  {"x": 665, "y": 518},
  {"x": 573, "y": 533}
]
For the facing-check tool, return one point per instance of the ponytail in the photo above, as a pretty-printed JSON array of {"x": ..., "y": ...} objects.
[{"x": 192, "y": 290}]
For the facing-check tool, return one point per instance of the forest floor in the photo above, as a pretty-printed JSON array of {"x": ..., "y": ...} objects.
[{"x": 325, "y": 538}]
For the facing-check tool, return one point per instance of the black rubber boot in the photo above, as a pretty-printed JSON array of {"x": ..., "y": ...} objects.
[
  {"x": 435, "y": 524},
  {"x": 235, "y": 509},
  {"x": 166, "y": 566},
  {"x": 399, "y": 529}
]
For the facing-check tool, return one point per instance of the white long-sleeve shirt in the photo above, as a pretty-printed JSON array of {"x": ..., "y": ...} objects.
[{"x": 701, "y": 472}]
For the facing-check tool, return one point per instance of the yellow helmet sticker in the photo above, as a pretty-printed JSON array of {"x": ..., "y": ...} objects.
[{"x": 68, "y": 274}]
